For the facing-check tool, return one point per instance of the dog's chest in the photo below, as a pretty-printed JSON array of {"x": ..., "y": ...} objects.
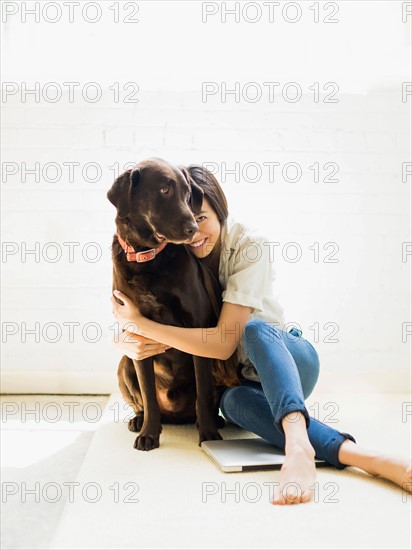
[
  {"x": 162, "y": 299},
  {"x": 168, "y": 290}
]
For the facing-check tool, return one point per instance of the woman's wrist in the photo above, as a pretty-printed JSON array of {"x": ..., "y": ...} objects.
[{"x": 141, "y": 324}]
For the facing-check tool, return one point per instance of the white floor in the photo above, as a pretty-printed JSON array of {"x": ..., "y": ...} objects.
[
  {"x": 37, "y": 450},
  {"x": 93, "y": 490}
]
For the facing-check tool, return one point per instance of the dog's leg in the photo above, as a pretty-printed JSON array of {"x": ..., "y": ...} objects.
[
  {"x": 148, "y": 438},
  {"x": 206, "y": 416},
  {"x": 135, "y": 423},
  {"x": 129, "y": 387}
]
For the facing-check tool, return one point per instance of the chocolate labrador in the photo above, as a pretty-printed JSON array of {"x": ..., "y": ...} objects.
[{"x": 156, "y": 203}]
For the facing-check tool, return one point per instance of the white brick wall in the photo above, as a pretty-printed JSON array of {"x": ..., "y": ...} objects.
[
  {"x": 366, "y": 294},
  {"x": 169, "y": 53}
]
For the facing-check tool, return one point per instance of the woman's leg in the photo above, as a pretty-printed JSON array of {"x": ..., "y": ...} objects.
[
  {"x": 248, "y": 406},
  {"x": 288, "y": 367},
  {"x": 376, "y": 463}
]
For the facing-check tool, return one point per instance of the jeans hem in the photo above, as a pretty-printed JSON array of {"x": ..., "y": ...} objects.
[
  {"x": 287, "y": 410},
  {"x": 335, "y": 449}
]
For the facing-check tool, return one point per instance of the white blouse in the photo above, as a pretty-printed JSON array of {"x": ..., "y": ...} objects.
[{"x": 247, "y": 274}]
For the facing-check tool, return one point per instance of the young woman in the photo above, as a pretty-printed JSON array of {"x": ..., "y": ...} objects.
[{"x": 280, "y": 368}]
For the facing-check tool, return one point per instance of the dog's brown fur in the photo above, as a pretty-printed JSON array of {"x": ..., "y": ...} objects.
[{"x": 156, "y": 200}]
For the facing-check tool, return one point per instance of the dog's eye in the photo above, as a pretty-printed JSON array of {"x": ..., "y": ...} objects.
[{"x": 164, "y": 190}]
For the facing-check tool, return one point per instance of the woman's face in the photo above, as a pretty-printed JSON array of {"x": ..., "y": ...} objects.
[{"x": 208, "y": 234}]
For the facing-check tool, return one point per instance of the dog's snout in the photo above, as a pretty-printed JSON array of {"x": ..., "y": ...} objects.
[{"x": 190, "y": 229}]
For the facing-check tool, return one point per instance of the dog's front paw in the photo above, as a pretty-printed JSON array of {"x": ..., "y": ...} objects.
[
  {"x": 135, "y": 424},
  {"x": 146, "y": 442},
  {"x": 209, "y": 435}
]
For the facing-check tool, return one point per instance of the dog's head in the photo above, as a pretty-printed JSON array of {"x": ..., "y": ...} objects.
[{"x": 156, "y": 202}]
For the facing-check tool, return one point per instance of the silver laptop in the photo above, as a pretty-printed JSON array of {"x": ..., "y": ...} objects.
[{"x": 239, "y": 455}]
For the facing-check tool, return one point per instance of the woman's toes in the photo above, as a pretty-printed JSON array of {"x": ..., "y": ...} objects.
[
  {"x": 292, "y": 494},
  {"x": 306, "y": 496},
  {"x": 287, "y": 499}
]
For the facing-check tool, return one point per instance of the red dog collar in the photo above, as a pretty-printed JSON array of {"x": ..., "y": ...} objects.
[{"x": 139, "y": 257}]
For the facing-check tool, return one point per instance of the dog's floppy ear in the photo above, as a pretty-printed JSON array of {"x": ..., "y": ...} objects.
[
  {"x": 196, "y": 196},
  {"x": 120, "y": 194}
]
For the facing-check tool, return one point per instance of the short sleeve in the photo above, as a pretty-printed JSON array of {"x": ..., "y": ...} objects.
[{"x": 251, "y": 273}]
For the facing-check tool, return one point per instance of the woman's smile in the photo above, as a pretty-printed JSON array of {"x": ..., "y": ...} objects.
[
  {"x": 199, "y": 244},
  {"x": 208, "y": 234}
]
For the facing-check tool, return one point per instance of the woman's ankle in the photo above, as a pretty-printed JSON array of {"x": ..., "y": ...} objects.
[
  {"x": 300, "y": 448},
  {"x": 351, "y": 454},
  {"x": 296, "y": 434}
]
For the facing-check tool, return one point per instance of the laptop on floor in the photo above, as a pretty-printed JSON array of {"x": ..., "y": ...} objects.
[{"x": 239, "y": 455}]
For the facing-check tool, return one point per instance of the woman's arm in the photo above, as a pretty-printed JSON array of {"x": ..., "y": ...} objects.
[{"x": 217, "y": 342}]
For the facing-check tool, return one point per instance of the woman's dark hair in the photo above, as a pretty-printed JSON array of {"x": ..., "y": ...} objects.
[
  {"x": 215, "y": 196},
  {"x": 212, "y": 190},
  {"x": 224, "y": 371}
]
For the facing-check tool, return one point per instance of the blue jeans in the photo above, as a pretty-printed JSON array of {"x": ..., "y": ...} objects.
[{"x": 288, "y": 369}]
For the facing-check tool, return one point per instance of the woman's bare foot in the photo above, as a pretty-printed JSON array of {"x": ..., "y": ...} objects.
[
  {"x": 396, "y": 469},
  {"x": 297, "y": 475},
  {"x": 298, "y": 472}
]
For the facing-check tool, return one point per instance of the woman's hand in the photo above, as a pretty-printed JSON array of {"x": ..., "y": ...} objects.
[
  {"x": 126, "y": 313},
  {"x": 136, "y": 346}
]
